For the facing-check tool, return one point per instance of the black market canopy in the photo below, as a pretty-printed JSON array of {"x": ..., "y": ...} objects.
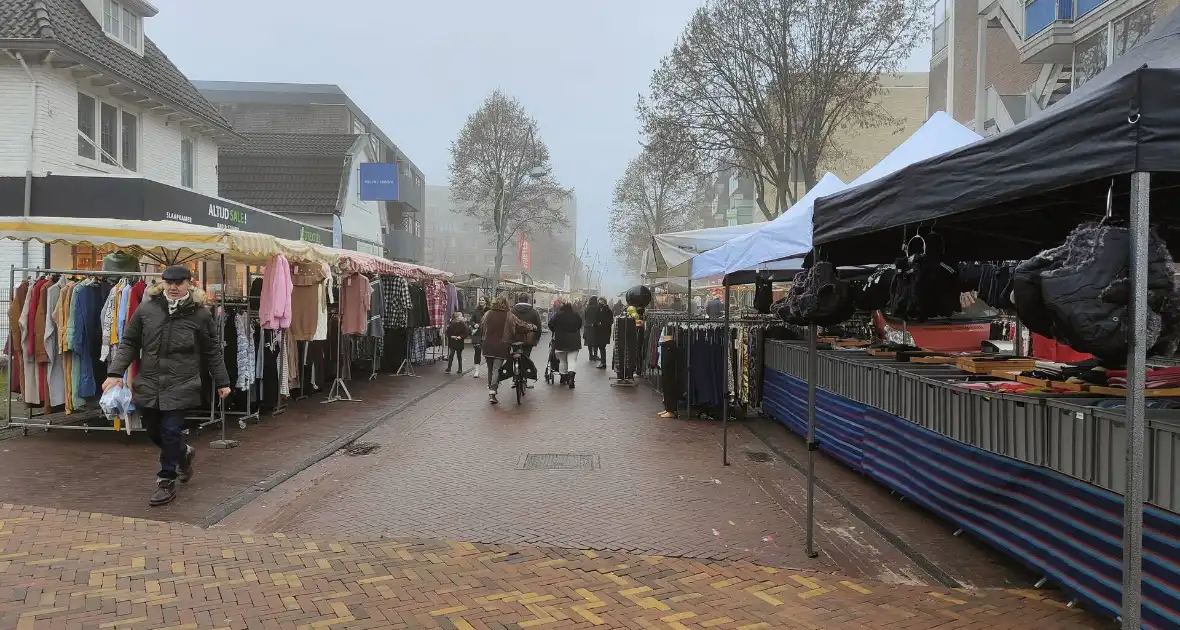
[{"x": 1053, "y": 171}]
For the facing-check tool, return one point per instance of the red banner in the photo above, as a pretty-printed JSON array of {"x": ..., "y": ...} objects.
[{"x": 524, "y": 254}]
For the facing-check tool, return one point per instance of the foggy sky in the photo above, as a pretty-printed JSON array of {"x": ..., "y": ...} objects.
[{"x": 420, "y": 68}]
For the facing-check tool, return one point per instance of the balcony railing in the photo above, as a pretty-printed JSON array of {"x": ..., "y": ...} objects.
[
  {"x": 1040, "y": 14},
  {"x": 940, "y": 37}
]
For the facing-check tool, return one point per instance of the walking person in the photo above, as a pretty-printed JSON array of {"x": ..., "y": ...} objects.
[
  {"x": 457, "y": 334},
  {"x": 604, "y": 320},
  {"x": 173, "y": 337},
  {"x": 477, "y": 332},
  {"x": 500, "y": 330},
  {"x": 566, "y": 325},
  {"x": 589, "y": 330}
]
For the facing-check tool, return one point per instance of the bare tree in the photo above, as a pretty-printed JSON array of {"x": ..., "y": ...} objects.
[
  {"x": 762, "y": 85},
  {"x": 661, "y": 191},
  {"x": 500, "y": 174}
]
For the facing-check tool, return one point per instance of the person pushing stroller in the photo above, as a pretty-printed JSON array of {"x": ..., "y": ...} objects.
[{"x": 566, "y": 326}]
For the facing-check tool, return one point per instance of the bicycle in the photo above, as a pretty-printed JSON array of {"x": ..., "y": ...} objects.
[{"x": 519, "y": 380}]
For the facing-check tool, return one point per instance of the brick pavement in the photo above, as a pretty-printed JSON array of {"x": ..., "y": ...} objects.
[
  {"x": 450, "y": 468},
  {"x": 114, "y": 473},
  {"x": 72, "y": 570}
]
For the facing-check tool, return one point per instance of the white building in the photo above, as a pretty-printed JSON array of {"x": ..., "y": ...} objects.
[{"x": 95, "y": 121}]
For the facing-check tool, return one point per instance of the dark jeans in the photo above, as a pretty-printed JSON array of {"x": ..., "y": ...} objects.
[
  {"x": 166, "y": 429},
  {"x": 457, "y": 353},
  {"x": 478, "y": 354},
  {"x": 600, "y": 353}
]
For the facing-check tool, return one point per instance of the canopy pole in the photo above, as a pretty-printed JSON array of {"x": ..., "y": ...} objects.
[
  {"x": 688, "y": 357},
  {"x": 812, "y": 445},
  {"x": 1136, "y": 422},
  {"x": 224, "y": 442},
  {"x": 725, "y": 390}
]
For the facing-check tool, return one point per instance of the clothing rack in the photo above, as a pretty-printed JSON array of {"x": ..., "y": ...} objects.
[
  {"x": 251, "y": 413},
  {"x": 338, "y": 385},
  {"x": 27, "y": 422}
]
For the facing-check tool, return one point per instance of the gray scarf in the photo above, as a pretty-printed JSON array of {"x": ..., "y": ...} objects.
[{"x": 175, "y": 304}]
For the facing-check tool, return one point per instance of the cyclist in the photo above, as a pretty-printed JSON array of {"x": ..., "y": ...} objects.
[{"x": 500, "y": 330}]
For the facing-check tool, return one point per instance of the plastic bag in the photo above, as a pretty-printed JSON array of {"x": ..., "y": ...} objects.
[{"x": 116, "y": 406}]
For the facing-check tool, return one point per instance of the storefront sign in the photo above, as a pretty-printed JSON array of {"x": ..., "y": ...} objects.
[
  {"x": 311, "y": 235},
  {"x": 220, "y": 212},
  {"x": 379, "y": 181},
  {"x": 525, "y": 255}
]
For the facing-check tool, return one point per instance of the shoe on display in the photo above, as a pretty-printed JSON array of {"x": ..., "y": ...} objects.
[
  {"x": 184, "y": 472},
  {"x": 165, "y": 492}
]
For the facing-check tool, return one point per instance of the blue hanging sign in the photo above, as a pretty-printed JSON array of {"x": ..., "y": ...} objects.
[{"x": 379, "y": 181}]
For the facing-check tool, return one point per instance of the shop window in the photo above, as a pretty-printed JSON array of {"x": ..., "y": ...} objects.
[
  {"x": 188, "y": 160},
  {"x": 1089, "y": 57},
  {"x": 87, "y": 257},
  {"x": 107, "y": 133}
]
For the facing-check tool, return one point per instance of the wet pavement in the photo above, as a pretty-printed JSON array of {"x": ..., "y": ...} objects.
[{"x": 578, "y": 508}]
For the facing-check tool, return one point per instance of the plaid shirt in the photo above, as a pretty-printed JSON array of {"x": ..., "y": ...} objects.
[
  {"x": 396, "y": 292},
  {"x": 436, "y": 302}
]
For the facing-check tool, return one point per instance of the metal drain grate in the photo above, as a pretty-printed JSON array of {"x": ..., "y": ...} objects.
[
  {"x": 559, "y": 461},
  {"x": 361, "y": 448},
  {"x": 756, "y": 456}
]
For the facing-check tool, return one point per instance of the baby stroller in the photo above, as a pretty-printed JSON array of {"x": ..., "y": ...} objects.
[{"x": 551, "y": 365}]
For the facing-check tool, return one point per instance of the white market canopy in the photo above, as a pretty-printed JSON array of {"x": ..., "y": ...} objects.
[
  {"x": 790, "y": 235},
  {"x": 789, "y": 232},
  {"x": 671, "y": 254}
]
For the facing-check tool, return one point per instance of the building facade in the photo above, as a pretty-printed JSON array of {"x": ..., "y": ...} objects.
[
  {"x": 95, "y": 121},
  {"x": 288, "y": 109},
  {"x": 996, "y": 62},
  {"x": 457, "y": 242}
]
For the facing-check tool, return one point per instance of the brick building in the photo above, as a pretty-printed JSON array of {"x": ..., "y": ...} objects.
[{"x": 1033, "y": 53}]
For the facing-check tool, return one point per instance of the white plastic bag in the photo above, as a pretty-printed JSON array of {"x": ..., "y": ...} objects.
[{"x": 116, "y": 405}]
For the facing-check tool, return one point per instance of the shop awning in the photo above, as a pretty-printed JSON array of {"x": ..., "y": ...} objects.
[
  {"x": 360, "y": 262},
  {"x": 1011, "y": 195},
  {"x": 164, "y": 242}
]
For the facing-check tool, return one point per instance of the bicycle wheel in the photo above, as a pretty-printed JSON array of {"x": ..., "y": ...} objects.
[{"x": 519, "y": 390}]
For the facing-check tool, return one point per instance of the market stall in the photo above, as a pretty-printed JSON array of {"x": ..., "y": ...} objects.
[
  {"x": 279, "y": 345},
  {"x": 1052, "y": 471}
]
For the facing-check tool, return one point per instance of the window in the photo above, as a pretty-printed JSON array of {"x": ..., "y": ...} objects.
[
  {"x": 939, "y": 37},
  {"x": 130, "y": 134},
  {"x": 108, "y": 126},
  {"x": 187, "y": 161},
  {"x": 121, "y": 24},
  {"x": 1089, "y": 57},
  {"x": 1131, "y": 29},
  {"x": 107, "y": 133},
  {"x": 86, "y": 106}
]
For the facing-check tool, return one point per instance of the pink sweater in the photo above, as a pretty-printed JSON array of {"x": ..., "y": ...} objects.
[{"x": 274, "y": 309}]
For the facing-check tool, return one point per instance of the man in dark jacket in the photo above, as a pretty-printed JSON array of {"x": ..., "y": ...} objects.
[
  {"x": 567, "y": 340},
  {"x": 527, "y": 313},
  {"x": 172, "y": 335}
]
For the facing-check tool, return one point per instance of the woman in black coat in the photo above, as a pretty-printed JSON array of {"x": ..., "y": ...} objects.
[
  {"x": 604, "y": 320},
  {"x": 567, "y": 341},
  {"x": 589, "y": 319}
]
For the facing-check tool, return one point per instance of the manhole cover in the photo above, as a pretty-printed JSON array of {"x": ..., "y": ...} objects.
[
  {"x": 559, "y": 461},
  {"x": 361, "y": 448},
  {"x": 756, "y": 456}
]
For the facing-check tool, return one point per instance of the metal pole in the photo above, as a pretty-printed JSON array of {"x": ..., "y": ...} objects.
[
  {"x": 812, "y": 445},
  {"x": 688, "y": 358},
  {"x": 725, "y": 389},
  {"x": 1136, "y": 383},
  {"x": 1018, "y": 348}
]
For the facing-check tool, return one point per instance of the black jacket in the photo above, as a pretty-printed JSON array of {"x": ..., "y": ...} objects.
[
  {"x": 567, "y": 328},
  {"x": 174, "y": 349},
  {"x": 457, "y": 329},
  {"x": 529, "y": 315}
]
